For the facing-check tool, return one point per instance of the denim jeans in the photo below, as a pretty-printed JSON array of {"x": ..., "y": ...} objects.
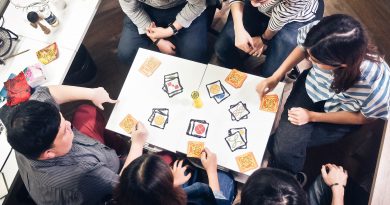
[
  {"x": 190, "y": 43},
  {"x": 200, "y": 193},
  {"x": 279, "y": 47},
  {"x": 319, "y": 193},
  {"x": 289, "y": 143}
]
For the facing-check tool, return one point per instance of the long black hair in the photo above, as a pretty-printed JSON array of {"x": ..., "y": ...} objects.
[{"x": 340, "y": 39}]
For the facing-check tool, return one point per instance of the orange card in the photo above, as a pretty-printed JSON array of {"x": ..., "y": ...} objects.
[
  {"x": 246, "y": 162},
  {"x": 48, "y": 54},
  {"x": 149, "y": 66},
  {"x": 195, "y": 149},
  {"x": 269, "y": 103},
  {"x": 128, "y": 123},
  {"x": 236, "y": 78}
]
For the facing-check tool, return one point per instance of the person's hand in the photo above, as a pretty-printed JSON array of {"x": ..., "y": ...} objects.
[
  {"x": 100, "y": 96},
  {"x": 243, "y": 40},
  {"x": 266, "y": 86},
  {"x": 209, "y": 160},
  {"x": 258, "y": 47},
  {"x": 178, "y": 171},
  {"x": 298, "y": 116},
  {"x": 335, "y": 174},
  {"x": 154, "y": 32},
  {"x": 166, "y": 47},
  {"x": 140, "y": 134}
]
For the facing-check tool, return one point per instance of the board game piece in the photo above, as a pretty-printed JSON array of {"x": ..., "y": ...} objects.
[
  {"x": 195, "y": 149},
  {"x": 198, "y": 128},
  {"x": 239, "y": 111},
  {"x": 269, "y": 103},
  {"x": 128, "y": 123},
  {"x": 236, "y": 78},
  {"x": 172, "y": 84},
  {"x": 246, "y": 162},
  {"x": 159, "y": 117},
  {"x": 235, "y": 141}
]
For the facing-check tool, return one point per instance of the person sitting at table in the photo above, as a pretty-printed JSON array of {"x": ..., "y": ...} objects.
[
  {"x": 275, "y": 186},
  {"x": 149, "y": 180},
  {"x": 267, "y": 27},
  {"x": 174, "y": 27},
  {"x": 58, "y": 163},
  {"x": 347, "y": 86}
]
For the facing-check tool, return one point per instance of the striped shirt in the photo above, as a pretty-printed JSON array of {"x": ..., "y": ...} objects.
[
  {"x": 282, "y": 12},
  {"x": 133, "y": 9},
  {"x": 370, "y": 94},
  {"x": 83, "y": 176}
]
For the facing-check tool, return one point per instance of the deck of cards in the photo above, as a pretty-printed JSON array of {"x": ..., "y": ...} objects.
[
  {"x": 198, "y": 128},
  {"x": 239, "y": 111},
  {"x": 172, "y": 84},
  {"x": 237, "y": 138},
  {"x": 159, "y": 117},
  {"x": 217, "y": 91}
]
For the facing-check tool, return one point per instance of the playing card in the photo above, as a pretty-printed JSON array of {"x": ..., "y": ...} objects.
[
  {"x": 149, "y": 66},
  {"x": 235, "y": 141},
  {"x": 239, "y": 111},
  {"x": 198, "y": 128},
  {"x": 172, "y": 84},
  {"x": 159, "y": 117},
  {"x": 269, "y": 103},
  {"x": 242, "y": 131},
  {"x": 236, "y": 78},
  {"x": 195, "y": 149},
  {"x": 221, "y": 97},
  {"x": 128, "y": 123},
  {"x": 214, "y": 88},
  {"x": 246, "y": 162}
]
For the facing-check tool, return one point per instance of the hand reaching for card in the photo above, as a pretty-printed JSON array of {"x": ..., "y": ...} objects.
[
  {"x": 140, "y": 134},
  {"x": 100, "y": 96},
  {"x": 178, "y": 171},
  {"x": 209, "y": 160}
]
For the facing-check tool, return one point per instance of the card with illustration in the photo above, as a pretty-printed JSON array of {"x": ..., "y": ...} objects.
[
  {"x": 235, "y": 141},
  {"x": 243, "y": 132},
  {"x": 172, "y": 84},
  {"x": 246, "y": 162},
  {"x": 128, "y": 123},
  {"x": 239, "y": 111},
  {"x": 159, "y": 117},
  {"x": 214, "y": 88},
  {"x": 197, "y": 128},
  {"x": 221, "y": 97},
  {"x": 195, "y": 149},
  {"x": 236, "y": 78},
  {"x": 149, "y": 66},
  {"x": 269, "y": 103}
]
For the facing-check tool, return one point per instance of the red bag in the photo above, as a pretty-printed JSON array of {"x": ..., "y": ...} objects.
[{"x": 17, "y": 90}]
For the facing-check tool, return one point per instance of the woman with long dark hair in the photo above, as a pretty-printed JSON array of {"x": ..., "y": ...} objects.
[{"x": 347, "y": 86}]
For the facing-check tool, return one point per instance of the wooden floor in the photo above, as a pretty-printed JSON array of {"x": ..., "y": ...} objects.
[{"x": 104, "y": 33}]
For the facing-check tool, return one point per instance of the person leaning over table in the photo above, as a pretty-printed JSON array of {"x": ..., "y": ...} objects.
[
  {"x": 347, "y": 86},
  {"x": 175, "y": 27},
  {"x": 264, "y": 26},
  {"x": 142, "y": 184},
  {"x": 58, "y": 163}
]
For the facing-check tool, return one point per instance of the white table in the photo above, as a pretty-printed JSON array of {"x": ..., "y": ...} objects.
[
  {"x": 75, "y": 20},
  {"x": 140, "y": 94}
]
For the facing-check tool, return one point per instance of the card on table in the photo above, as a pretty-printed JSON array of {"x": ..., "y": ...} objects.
[
  {"x": 149, "y": 66},
  {"x": 246, "y": 162},
  {"x": 172, "y": 84},
  {"x": 198, "y": 128},
  {"x": 195, "y": 149},
  {"x": 221, "y": 97},
  {"x": 128, "y": 123},
  {"x": 236, "y": 78},
  {"x": 235, "y": 141},
  {"x": 159, "y": 117},
  {"x": 214, "y": 88},
  {"x": 239, "y": 111},
  {"x": 269, "y": 103},
  {"x": 243, "y": 132}
]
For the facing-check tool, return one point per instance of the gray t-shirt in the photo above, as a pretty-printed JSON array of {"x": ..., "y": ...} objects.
[{"x": 83, "y": 176}]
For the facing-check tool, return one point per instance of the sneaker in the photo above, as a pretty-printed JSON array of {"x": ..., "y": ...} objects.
[{"x": 301, "y": 178}]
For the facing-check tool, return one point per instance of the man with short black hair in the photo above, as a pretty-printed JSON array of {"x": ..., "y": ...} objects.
[{"x": 57, "y": 163}]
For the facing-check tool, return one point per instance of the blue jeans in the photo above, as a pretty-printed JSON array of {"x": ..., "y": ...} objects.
[
  {"x": 200, "y": 193},
  {"x": 319, "y": 193},
  {"x": 190, "y": 43},
  {"x": 290, "y": 141},
  {"x": 279, "y": 47}
]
